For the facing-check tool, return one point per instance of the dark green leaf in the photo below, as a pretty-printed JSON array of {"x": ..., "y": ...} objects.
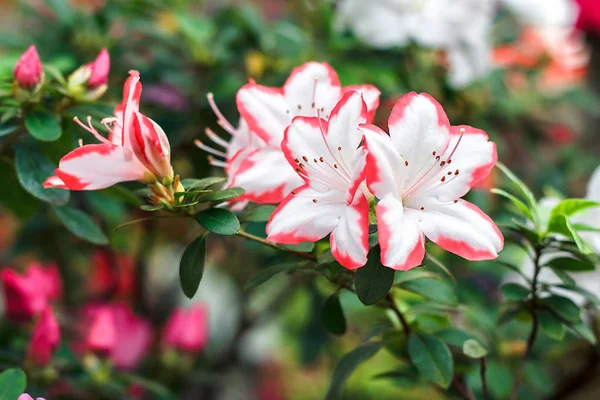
[
  {"x": 151, "y": 207},
  {"x": 453, "y": 336},
  {"x": 585, "y": 293},
  {"x": 432, "y": 358},
  {"x": 17, "y": 200},
  {"x": 264, "y": 274},
  {"x": 305, "y": 247},
  {"x": 191, "y": 266},
  {"x": 202, "y": 183},
  {"x": 563, "y": 307},
  {"x": 7, "y": 128},
  {"x": 570, "y": 264},
  {"x": 219, "y": 196},
  {"x": 332, "y": 315},
  {"x": 43, "y": 125},
  {"x": 509, "y": 313},
  {"x": 564, "y": 277},
  {"x": 514, "y": 291},
  {"x": 551, "y": 325},
  {"x": 32, "y": 170},
  {"x": 260, "y": 214},
  {"x": 583, "y": 331},
  {"x": 347, "y": 365},
  {"x": 472, "y": 348},
  {"x": 219, "y": 221},
  {"x": 433, "y": 289},
  {"x": 373, "y": 281},
  {"x": 13, "y": 383},
  {"x": 80, "y": 224}
]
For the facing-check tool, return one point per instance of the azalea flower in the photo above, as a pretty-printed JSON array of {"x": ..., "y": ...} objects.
[
  {"x": 326, "y": 154},
  {"x": 255, "y": 149},
  {"x": 90, "y": 81},
  {"x": 461, "y": 28},
  {"x": 25, "y": 396},
  {"x": 45, "y": 338},
  {"x": 419, "y": 172},
  {"x": 137, "y": 149},
  {"x": 589, "y": 15},
  {"x": 187, "y": 330}
]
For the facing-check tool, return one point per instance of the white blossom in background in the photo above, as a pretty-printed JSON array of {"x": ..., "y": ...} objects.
[{"x": 459, "y": 27}]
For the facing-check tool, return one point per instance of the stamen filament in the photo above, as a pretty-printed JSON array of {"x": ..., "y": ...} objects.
[{"x": 210, "y": 150}]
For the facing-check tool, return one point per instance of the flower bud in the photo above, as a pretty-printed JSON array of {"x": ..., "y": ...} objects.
[
  {"x": 151, "y": 146},
  {"x": 45, "y": 338},
  {"x": 28, "y": 71},
  {"x": 187, "y": 330},
  {"x": 89, "y": 82},
  {"x": 100, "y": 68}
]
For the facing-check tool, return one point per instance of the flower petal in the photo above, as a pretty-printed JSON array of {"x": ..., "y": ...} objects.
[
  {"x": 152, "y": 146},
  {"x": 350, "y": 238},
  {"x": 265, "y": 110},
  {"x": 461, "y": 228},
  {"x": 98, "y": 166},
  {"x": 401, "y": 240},
  {"x": 132, "y": 91},
  {"x": 266, "y": 176},
  {"x": 54, "y": 182},
  {"x": 312, "y": 86},
  {"x": 383, "y": 161},
  {"x": 370, "y": 96},
  {"x": 420, "y": 131},
  {"x": 306, "y": 215}
]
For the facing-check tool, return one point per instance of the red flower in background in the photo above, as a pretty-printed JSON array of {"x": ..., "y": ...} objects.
[
  {"x": 45, "y": 338},
  {"x": 28, "y": 294},
  {"x": 589, "y": 15},
  {"x": 112, "y": 275},
  {"x": 28, "y": 70},
  {"x": 99, "y": 70},
  {"x": 187, "y": 330}
]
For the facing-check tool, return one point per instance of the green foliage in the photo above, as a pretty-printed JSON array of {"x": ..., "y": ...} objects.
[
  {"x": 219, "y": 221},
  {"x": 80, "y": 224},
  {"x": 43, "y": 126},
  {"x": 191, "y": 266},
  {"x": 12, "y": 383},
  {"x": 373, "y": 281},
  {"x": 432, "y": 358},
  {"x": 514, "y": 291},
  {"x": 332, "y": 315}
]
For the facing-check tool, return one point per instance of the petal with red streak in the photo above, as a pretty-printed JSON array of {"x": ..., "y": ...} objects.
[
  {"x": 370, "y": 96},
  {"x": 384, "y": 164},
  {"x": 350, "y": 238},
  {"x": 265, "y": 110},
  {"x": 312, "y": 86}
]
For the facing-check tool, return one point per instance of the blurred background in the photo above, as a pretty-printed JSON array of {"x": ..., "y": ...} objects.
[{"x": 528, "y": 76}]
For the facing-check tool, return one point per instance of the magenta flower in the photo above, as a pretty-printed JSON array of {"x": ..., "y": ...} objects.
[
  {"x": 99, "y": 70},
  {"x": 187, "y": 330},
  {"x": 28, "y": 70},
  {"x": 589, "y": 15},
  {"x": 328, "y": 156},
  {"x": 419, "y": 172},
  {"x": 45, "y": 338},
  {"x": 25, "y": 396}
]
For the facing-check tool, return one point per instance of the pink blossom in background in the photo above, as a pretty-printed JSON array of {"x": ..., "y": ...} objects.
[
  {"x": 99, "y": 70},
  {"x": 45, "y": 338},
  {"x": 588, "y": 18},
  {"x": 28, "y": 70},
  {"x": 25, "y": 396},
  {"x": 187, "y": 329},
  {"x": 27, "y": 295}
]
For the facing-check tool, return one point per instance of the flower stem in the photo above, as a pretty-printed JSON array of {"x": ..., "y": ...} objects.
[
  {"x": 260, "y": 240},
  {"x": 484, "y": 385}
]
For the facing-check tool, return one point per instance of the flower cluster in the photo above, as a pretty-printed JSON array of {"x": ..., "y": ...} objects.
[{"x": 338, "y": 164}]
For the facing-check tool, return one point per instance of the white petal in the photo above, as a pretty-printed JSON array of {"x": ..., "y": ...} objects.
[
  {"x": 461, "y": 228},
  {"x": 384, "y": 164},
  {"x": 350, "y": 239},
  {"x": 306, "y": 215},
  {"x": 370, "y": 96},
  {"x": 312, "y": 86},
  {"x": 402, "y": 242}
]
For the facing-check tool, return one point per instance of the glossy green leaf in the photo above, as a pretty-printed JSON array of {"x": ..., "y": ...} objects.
[
  {"x": 472, "y": 348},
  {"x": 43, "y": 126},
  {"x": 551, "y": 325},
  {"x": 219, "y": 196},
  {"x": 191, "y": 266},
  {"x": 516, "y": 201},
  {"x": 563, "y": 307},
  {"x": 346, "y": 366},
  {"x": 432, "y": 358},
  {"x": 453, "y": 336},
  {"x": 219, "y": 221},
  {"x": 564, "y": 277},
  {"x": 373, "y": 281},
  {"x": 202, "y": 183},
  {"x": 33, "y": 168},
  {"x": 583, "y": 331},
  {"x": 265, "y": 274},
  {"x": 432, "y": 289},
  {"x": 260, "y": 214},
  {"x": 13, "y": 383},
  {"x": 584, "y": 292},
  {"x": 332, "y": 315},
  {"x": 80, "y": 224},
  {"x": 570, "y": 264},
  {"x": 571, "y": 207},
  {"x": 514, "y": 291}
]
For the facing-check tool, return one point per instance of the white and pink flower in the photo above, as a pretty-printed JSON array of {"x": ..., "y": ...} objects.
[
  {"x": 253, "y": 158},
  {"x": 419, "y": 172},
  {"x": 136, "y": 149},
  {"x": 328, "y": 157}
]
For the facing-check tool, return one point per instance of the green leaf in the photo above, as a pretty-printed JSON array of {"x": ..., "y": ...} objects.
[
  {"x": 432, "y": 289},
  {"x": 219, "y": 196},
  {"x": 219, "y": 221},
  {"x": 260, "y": 214},
  {"x": 564, "y": 277},
  {"x": 453, "y": 336},
  {"x": 202, "y": 183},
  {"x": 191, "y": 266},
  {"x": 332, "y": 315},
  {"x": 304, "y": 247},
  {"x": 415, "y": 273},
  {"x": 373, "y": 281},
  {"x": 563, "y": 307},
  {"x": 62, "y": 10},
  {"x": 151, "y": 207},
  {"x": 585, "y": 293},
  {"x": 516, "y": 201},
  {"x": 346, "y": 366},
  {"x": 581, "y": 244},
  {"x": 33, "y": 168},
  {"x": 80, "y": 224},
  {"x": 13, "y": 383},
  {"x": 7, "y": 128},
  {"x": 43, "y": 126},
  {"x": 570, "y": 264},
  {"x": 583, "y": 331},
  {"x": 551, "y": 325},
  {"x": 432, "y": 358},
  {"x": 264, "y": 274},
  {"x": 519, "y": 184},
  {"x": 571, "y": 207},
  {"x": 514, "y": 291},
  {"x": 472, "y": 348}
]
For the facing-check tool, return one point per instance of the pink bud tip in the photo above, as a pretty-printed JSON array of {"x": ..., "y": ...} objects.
[
  {"x": 100, "y": 68},
  {"x": 28, "y": 70}
]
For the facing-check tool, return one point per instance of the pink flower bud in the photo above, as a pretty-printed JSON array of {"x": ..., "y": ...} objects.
[
  {"x": 28, "y": 70},
  {"x": 100, "y": 68},
  {"x": 187, "y": 330},
  {"x": 151, "y": 145},
  {"x": 25, "y": 396},
  {"x": 45, "y": 338}
]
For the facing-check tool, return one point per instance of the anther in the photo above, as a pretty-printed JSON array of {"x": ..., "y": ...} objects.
[
  {"x": 422, "y": 208},
  {"x": 304, "y": 158},
  {"x": 442, "y": 163},
  {"x": 406, "y": 163},
  {"x": 294, "y": 193},
  {"x": 301, "y": 166},
  {"x": 315, "y": 160},
  {"x": 299, "y": 107},
  {"x": 339, "y": 148},
  {"x": 321, "y": 159},
  {"x": 455, "y": 201},
  {"x": 438, "y": 158},
  {"x": 433, "y": 154},
  {"x": 314, "y": 200},
  {"x": 449, "y": 172},
  {"x": 334, "y": 165},
  {"x": 312, "y": 105},
  {"x": 456, "y": 172},
  {"x": 443, "y": 178},
  {"x": 296, "y": 161},
  {"x": 449, "y": 161}
]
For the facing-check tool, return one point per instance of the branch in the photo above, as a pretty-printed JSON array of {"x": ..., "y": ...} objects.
[
  {"x": 484, "y": 385},
  {"x": 260, "y": 240}
]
